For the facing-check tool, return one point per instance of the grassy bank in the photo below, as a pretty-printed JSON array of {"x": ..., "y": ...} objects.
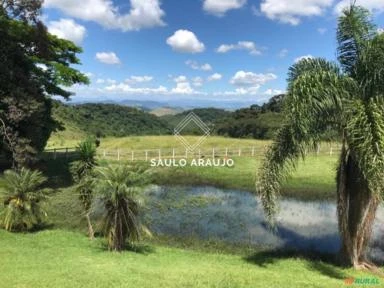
[{"x": 66, "y": 259}]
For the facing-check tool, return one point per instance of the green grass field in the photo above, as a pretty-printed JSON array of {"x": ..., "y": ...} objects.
[
  {"x": 314, "y": 178},
  {"x": 67, "y": 259}
]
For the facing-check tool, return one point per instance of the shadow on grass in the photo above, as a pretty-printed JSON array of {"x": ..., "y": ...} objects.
[
  {"x": 138, "y": 248},
  {"x": 323, "y": 263},
  {"x": 57, "y": 171},
  {"x": 299, "y": 247}
]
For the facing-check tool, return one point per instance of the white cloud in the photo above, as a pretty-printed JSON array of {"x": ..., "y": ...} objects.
[
  {"x": 67, "y": 29},
  {"x": 380, "y": 30},
  {"x": 100, "y": 81},
  {"x": 108, "y": 58},
  {"x": 272, "y": 92},
  {"x": 283, "y": 53},
  {"x": 220, "y": 7},
  {"x": 197, "y": 81},
  {"x": 88, "y": 74},
  {"x": 185, "y": 41},
  {"x": 291, "y": 11},
  {"x": 243, "y": 79},
  {"x": 372, "y": 5},
  {"x": 183, "y": 85},
  {"x": 241, "y": 45},
  {"x": 196, "y": 66},
  {"x": 111, "y": 81},
  {"x": 243, "y": 91},
  {"x": 142, "y": 14},
  {"x": 215, "y": 77},
  {"x": 138, "y": 79},
  {"x": 127, "y": 89},
  {"x": 309, "y": 56},
  {"x": 322, "y": 31},
  {"x": 180, "y": 79},
  {"x": 183, "y": 88}
]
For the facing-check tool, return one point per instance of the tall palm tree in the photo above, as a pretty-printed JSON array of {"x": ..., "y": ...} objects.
[
  {"x": 119, "y": 188},
  {"x": 82, "y": 173},
  {"x": 348, "y": 97},
  {"x": 22, "y": 195}
]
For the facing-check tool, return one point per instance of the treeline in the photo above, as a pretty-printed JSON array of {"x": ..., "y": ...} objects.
[
  {"x": 256, "y": 121},
  {"x": 260, "y": 122},
  {"x": 104, "y": 120}
]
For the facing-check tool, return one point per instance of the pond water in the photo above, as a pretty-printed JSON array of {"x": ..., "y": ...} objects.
[{"x": 237, "y": 217}]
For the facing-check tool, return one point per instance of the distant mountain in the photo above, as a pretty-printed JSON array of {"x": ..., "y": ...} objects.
[
  {"x": 185, "y": 104},
  {"x": 162, "y": 111}
]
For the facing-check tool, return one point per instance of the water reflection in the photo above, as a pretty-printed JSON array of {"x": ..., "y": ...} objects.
[{"x": 237, "y": 217}]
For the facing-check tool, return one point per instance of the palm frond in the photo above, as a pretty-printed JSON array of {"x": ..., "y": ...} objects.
[
  {"x": 365, "y": 137},
  {"x": 313, "y": 103},
  {"x": 355, "y": 27},
  {"x": 22, "y": 196}
]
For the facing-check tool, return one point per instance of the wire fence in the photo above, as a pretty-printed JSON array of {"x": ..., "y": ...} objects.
[{"x": 179, "y": 153}]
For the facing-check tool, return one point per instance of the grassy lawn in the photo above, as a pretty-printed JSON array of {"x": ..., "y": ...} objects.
[
  {"x": 57, "y": 258},
  {"x": 313, "y": 179}
]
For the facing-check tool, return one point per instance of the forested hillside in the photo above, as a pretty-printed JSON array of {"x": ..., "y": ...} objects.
[
  {"x": 260, "y": 122},
  {"x": 103, "y": 120},
  {"x": 109, "y": 120}
]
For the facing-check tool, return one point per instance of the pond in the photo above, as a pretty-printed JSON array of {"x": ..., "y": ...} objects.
[{"x": 237, "y": 217}]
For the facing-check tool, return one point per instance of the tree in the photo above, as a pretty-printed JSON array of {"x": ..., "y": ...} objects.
[
  {"x": 347, "y": 97},
  {"x": 119, "y": 188},
  {"x": 33, "y": 66},
  {"x": 22, "y": 197},
  {"x": 83, "y": 173}
]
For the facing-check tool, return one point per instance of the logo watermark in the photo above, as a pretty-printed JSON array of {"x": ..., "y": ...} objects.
[
  {"x": 362, "y": 281},
  {"x": 201, "y": 161},
  {"x": 191, "y": 118}
]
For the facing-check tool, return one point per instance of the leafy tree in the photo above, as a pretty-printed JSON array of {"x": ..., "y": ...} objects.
[
  {"x": 83, "y": 172},
  {"x": 22, "y": 196},
  {"x": 119, "y": 188},
  {"x": 349, "y": 98},
  {"x": 33, "y": 65}
]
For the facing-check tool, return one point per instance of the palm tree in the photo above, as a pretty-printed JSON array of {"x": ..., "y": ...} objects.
[
  {"x": 82, "y": 173},
  {"x": 22, "y": 195},
  {"x": 119, "y": 188},
  {"x": 346, "y": 97}
]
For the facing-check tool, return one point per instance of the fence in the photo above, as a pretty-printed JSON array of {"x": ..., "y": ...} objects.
[{"x": 178, "y": 153}]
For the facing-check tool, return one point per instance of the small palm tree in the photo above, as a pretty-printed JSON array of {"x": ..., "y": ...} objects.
[
  {"x": 22, "y": 196},
  {"x": 349, "y": 98},
  {"x": 119, "y": 188},
  {"x": 82, "y": 173}
]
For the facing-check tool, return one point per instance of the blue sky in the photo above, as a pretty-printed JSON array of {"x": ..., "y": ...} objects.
[{"x": 223, "y": 50}]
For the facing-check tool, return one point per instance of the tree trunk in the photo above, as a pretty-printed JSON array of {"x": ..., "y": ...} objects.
[
  {"x": 91, "y": 232},
  {"x": 356, "y": 209}
]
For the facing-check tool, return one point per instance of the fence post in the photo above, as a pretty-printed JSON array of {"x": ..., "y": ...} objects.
[
  {"x": 104, "y": 154},
  {"x": 133, "y": 156},
  {"x": 118, "y": 154},
  {"x": 173, "y": 153},
  {"x": 318, "y": 149},
  {"x": 213, "y": 153},
  {"x": 239, "y": 152},
  {"x": 146, "y": 155},
  {"x": 159, "y": 154},
  {"x": 253, "y": 151},
  {"x": 226, "y": 152},
  {"x": 54, "y": 153}
]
